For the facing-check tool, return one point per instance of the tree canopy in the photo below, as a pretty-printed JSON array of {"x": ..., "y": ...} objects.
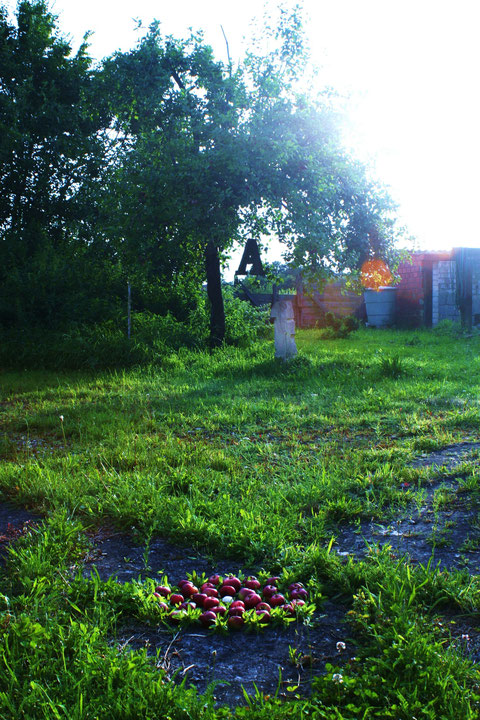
[
  {"x": 161, "y": 158},
  {"x": 213, "y": 154}
]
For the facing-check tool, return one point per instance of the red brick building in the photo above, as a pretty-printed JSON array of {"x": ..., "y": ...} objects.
[{"x": 434, "y": 284}]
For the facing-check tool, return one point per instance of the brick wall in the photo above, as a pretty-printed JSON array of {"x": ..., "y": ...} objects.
[
  {"x": 410, "y": 292},
  {"x": 310, "y": 309}
]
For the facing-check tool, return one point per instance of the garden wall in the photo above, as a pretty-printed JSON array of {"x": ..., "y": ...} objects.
[{"x": 309, "y": 309}]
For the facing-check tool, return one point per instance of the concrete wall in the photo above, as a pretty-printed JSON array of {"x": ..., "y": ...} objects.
[
  {"x": 476, "y": 294},
  {"x": 443, "y": 292}
]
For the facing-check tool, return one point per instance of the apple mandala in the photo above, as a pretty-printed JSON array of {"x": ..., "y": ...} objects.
[{"x": 231, "y": 603}]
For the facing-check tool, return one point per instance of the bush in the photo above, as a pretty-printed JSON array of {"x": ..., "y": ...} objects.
[
  {"x": 334, "y": 326},
  {"x": 106, "y": 345},
  {"x": 448, "y": 327},
  {"x": 244, "y": 322}
]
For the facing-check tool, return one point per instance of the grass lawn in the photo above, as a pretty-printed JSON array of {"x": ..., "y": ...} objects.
[{"x": 239, "y": 457}]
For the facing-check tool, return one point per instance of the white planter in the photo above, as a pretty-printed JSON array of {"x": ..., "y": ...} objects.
[{"x": 380, "y": 305}]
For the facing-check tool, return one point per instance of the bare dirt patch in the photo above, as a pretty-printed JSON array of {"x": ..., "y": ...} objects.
[
  {"x": 270, "y": 660},
  {"x": 443, "y": 524},
  {"x": 13, "y": 523},
  {"x": 282, "y": 660}
]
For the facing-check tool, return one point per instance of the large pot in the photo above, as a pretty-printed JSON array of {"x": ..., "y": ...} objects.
[{"x": 380, "y": 305}]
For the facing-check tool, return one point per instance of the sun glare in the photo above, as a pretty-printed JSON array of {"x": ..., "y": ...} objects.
[{"x": 375, "y": 274}]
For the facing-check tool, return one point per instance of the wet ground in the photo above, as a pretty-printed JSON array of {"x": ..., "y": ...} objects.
[{"x": 13, "y": 522}]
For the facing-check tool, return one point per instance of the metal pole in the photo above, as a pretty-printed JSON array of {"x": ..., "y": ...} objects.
[{"x": 129, "y": 309}]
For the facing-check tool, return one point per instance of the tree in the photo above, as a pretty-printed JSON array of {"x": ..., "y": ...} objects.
[
  {"x": 51, "y": 155},
  {"x": 210, "y": 155}
]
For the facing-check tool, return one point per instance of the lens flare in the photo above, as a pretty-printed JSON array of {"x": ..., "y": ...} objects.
[{"x": 375, "y": 274}]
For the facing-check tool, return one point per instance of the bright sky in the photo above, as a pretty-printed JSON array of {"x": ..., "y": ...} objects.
[{"x": 410, "y": 68}]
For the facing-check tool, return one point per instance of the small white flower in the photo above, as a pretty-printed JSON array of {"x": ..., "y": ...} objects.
[
  {"x": 341, "y": 646},
  {"x": 337, "y": 678},
  {"x": 61, "y": 418}
]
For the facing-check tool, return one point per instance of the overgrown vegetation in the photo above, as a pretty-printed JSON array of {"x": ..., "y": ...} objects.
[
  {"x": 259, "y": 461},
  {"x": 152, "y": 338}
]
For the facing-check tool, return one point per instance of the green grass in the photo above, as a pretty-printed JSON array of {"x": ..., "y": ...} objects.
[{"x": 236, "y": 454}]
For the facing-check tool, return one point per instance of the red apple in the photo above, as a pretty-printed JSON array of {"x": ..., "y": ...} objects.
[
  {"x": 297, "y": 603},
  {"x": 214, "y": 579},
  {"x": 236, "y": 611},
  {"x": 176, "y": 598},
  {"x": 263, "y": 615},
  {"x": 176, "y": 615},
  {"x": 244, "y": 592},
  {"x": 163, "y": 590},
  {"x": 263, "y": 606},
  {"x": 211, "y": 592},
  {"x": 272, "y": 580},
  {"x": 287, "y": 609},
  {"x": 252, "y": 583},
  {"x": 186, "y": 605},
  {"x": 277, "y": 599},
  {"x": 199, "y": 598},
  {"x": 233, "y": 581},
  {"x": 207, "y": 585},
  {"x": 219, "y": 609},
  {"x": 295, "y": 586},
  {"x": 162, "y": 606},
  {"x": 269, "y": 590},
  {"x": 188, "y": 589},
  {"x": 210, "y": 602},
  {"x": 238, "y": 604},
  {"x": 252, "y": 600},
  {"x": 227, "y": 590},
  {"x": 208, "y": 618},
  {"x": 183, "y": 582},
  {"x": 300, "y": 594},
  {"x": 235, "y": 622}
]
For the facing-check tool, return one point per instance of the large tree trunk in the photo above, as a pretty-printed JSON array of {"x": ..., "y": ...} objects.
[{"x": 214, "y": 292}]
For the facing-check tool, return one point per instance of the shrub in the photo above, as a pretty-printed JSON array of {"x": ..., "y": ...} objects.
[
  {"x": 334, "y": 326},
  {"x": 244, "y": 322},
  {"x": 106, "y": 345}
]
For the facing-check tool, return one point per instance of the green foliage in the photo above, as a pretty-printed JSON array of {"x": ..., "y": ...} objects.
[
  {"x": 335, "y": 326},
  {"x": 157, "y": 161},
  {"x": 448, "y": 327},
  {"x": 51, "y": 157},
  {"x": 153, "y": 337},
  {"x": 244, "y": 323}
]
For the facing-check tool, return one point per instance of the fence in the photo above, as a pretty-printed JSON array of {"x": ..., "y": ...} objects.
[{"x": 310, "y": 308}]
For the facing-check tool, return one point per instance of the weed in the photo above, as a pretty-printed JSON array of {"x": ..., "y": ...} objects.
[{"x": 391, "y": 366}]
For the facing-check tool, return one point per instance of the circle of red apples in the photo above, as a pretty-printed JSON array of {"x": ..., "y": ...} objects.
[{"x": 230, "y": 601}]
